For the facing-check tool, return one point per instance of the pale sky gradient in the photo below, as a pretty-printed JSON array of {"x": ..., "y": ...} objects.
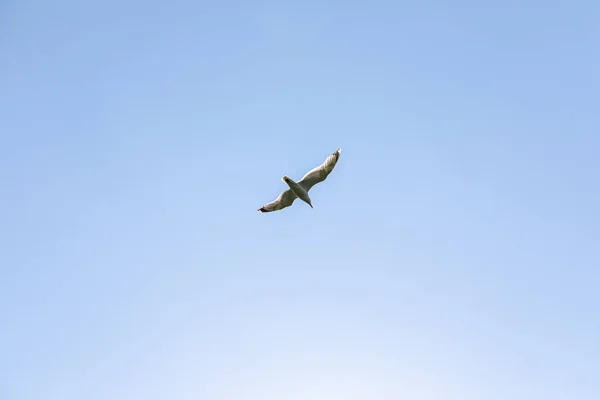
[{"x": 453, "y": 253}]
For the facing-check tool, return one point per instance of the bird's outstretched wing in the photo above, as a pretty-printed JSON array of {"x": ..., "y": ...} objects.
[
  {"x": 284, "y": 200},
  {"x": 319, "y": 174}
]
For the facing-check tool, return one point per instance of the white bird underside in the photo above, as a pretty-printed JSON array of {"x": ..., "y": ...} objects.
[{"x": 310, "y": 179}]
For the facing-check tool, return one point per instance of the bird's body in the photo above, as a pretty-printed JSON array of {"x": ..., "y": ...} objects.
[{"x": 300, "y": 189}]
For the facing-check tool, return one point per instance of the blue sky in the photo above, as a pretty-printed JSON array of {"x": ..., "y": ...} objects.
[{"x": 452, "y": 253}]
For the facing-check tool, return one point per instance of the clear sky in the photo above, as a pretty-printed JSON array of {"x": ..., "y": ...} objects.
[{"x": 453, "y": 253}]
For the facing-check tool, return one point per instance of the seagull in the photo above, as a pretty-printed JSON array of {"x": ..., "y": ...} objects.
[{"x": 300, "y": 189}]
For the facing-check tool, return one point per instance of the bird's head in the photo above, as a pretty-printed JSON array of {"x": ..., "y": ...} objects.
[{"x": 286, "y": 179}]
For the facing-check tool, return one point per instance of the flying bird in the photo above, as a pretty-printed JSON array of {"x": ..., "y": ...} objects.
[{"x": 300, "y": 189}]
